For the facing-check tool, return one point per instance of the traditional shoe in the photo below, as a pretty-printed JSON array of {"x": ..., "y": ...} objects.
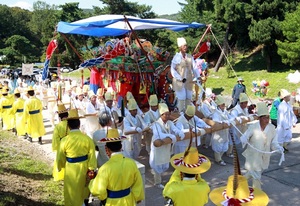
[
  {"x": 29, "y": 139},
  {"x": 285, "y": 150},
  {"x": 230, "y": 155},
  {"x": 160, "y": 186},
  {"x": 40, "y": 141},
  {"x": 222, "y": 163}
]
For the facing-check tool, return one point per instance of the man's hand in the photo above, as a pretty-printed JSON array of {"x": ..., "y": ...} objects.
[{"x": 183, "y": 80}]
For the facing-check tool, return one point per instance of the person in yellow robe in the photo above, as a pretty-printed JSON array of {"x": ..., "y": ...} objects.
[
  {"x": 60, "y": 131},
  {"x": 18, "y": 111},
  {"x": 185, "y": 186},
  {"x": 6, "y": 103},
  {"x": 76, "y": 154},
  {"x": 33, "y": 116},
  {"x": 118, "y": 182}
]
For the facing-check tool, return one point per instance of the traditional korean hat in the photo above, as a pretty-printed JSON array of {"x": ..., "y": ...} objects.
[
  {"x": 243, "y": 97},
  {"x": 220, "y": 100},
  {"x": 108, "y": 96},
  {"x": 191, "y": 162},
  {"x": 1, "y": 85},
  {"x": 132, "y": 105},
  {"x": 284, "y": 93},
  {"x": 244, "y": 195},
  {"x": 91, "y": 93},
  {"x": 100, "y": 92},
  {"x": 79, "y": 91},
  {"x": 208, "y": 92},
  {"x": 17, "y": 91},
  {"x": 153, "y": 101},
  {"x": 86, "y": 88},
  {"x": 181, "y": 41},
  {"x": 61, "y": 109},
  {"x": 262, "y": 109},
  {"x": 240, "y": 79},
  {"x": 30, "y": 88},
  {"x": 190, "y": 110},
  {"x": 163, "y": 108},
  {"x": 73, "y": 114},
  {"x": 113, "y": 135},
  {"x": 129, "y": 96},
  {"x": 4, "y": 91}
]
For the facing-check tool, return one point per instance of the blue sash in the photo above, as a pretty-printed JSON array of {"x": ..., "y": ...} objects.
[
  {"x": 77, "y": 159},
  {"x": 7, "y": 107},
  {"x": 118, "y": 194},
  {"x": 20, "y": 110},
  {"x": 34, "y": 111}
]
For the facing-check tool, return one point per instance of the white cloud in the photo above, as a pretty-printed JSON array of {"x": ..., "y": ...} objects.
[{"x": 22, "y": 4}]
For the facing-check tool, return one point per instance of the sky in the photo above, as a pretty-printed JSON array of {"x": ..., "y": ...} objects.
[{"x": 160, "y": 7}]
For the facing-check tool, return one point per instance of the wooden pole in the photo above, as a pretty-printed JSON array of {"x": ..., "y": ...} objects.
[
  {"x": 76, "y": 52},
  {"x": 199, "y": 42}
]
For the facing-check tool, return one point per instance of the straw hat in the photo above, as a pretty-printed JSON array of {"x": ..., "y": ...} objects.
[
  {"x": 86, "y": 88},
  {"x": 192, "y": 163},
  {"x": 244, "y": 195},
  {"x": 30, "y": 88},
  {"x": 220, "y": 100},
  {"x": 61, "y": 109},
  {"x": 262, "y": 109},
  {"x": 163, "y": 108},
  {"x": 129, "y": 96},
  {"x": 113, "y": 135},
  {"x": 73, "y": 114},
  {"x": 243, "y": 97},
  {"x": 108, "y": 96},
  {"x": 240, "y": 79},
  {"x": 284, "y": 93},
  {"x": 91, "y": 93},
  {"x": 17, "y": 91},
  {"x": 190, "y": 110},
  {"x": 132, "y": 105},
  {"x": 153, "y": 101},
  {"x": 181, "y": 41}
]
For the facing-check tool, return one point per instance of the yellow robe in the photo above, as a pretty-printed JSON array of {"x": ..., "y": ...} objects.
[
  {"x": 8, "y": 117},
  {"x": 60, "y": 131},
  {"x": 184, "y": 192},
  {"x": 76, "y": 144},
  {"x": 117, "y": 174},
  {"x": 18, "y": 111},
  {"x": 35, "y": 125}
]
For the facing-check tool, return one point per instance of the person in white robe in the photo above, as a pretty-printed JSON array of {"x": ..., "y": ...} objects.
[
  {"x": 150, "y": 117},
  {"x": 52, "y": 102},
  {"x": 162, "y": 129},
  {"x": 188, "y": 121},
  {"x": 113, "y": 111},
  {"x": 286, "y": 120},
  {"x": 262, "y": 136},
  {"x": 91, "y": 114}
]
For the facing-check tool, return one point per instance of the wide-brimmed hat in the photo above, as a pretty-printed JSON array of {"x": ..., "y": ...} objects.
[
  {"x": 243, "y": 97},
  {"x": 17, "y": 91},
  {"x": 61, "y": 108},
  {"x": 113, "y": 135},
  {"x": 284, "y": 93},
  {"x": 30, "y": 88},
  {"x": 73, "y": 114},
  {"x": 190, "y": 110},
  {"x": 181, "y": 41},
  {"x": 4, "y": 91},
  {"x": 262, "y": 109},
  {"x": 163, "y": 108},
  {"x": 192, "y": 163},
  {"x": 153, "y": 101},
  {"x": 240, "y": 79},
  {"x": 244, "y": 194},
  {"x": 220, "y": 100},
  {"x": 132, "y": 105},
  {"x": 108, "y": 96}
]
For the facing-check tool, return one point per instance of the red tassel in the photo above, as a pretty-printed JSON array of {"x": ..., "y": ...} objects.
[{"x": 233, "y": 202}]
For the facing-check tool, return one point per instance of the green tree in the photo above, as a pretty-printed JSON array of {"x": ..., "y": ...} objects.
[{"x": 289, "y": 48}]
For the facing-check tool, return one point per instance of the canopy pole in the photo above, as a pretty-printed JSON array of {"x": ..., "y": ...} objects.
[
  {"x": 207, "y": 29},
  {"x": 146, "y": 54},
  {"x": 76, "y": 52}
]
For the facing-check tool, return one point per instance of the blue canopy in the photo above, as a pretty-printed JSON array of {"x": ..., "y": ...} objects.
[{"x": 115, "y": 25}]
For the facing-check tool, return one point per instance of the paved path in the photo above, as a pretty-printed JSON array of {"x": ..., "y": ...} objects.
[{"x": 281, "y": 183}]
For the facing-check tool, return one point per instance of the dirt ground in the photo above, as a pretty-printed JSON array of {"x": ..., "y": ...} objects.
[{"x": 16, "y": 186}]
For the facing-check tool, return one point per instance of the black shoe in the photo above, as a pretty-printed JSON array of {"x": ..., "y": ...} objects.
[
  {"x": 25, "y": 136},
  {"x": 40, "y": 141},
  {"x": 285, "y": 150},
  {"x": 29, "y": 139}
]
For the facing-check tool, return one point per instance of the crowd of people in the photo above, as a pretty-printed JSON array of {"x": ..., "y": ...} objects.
[{"x": 86, "y": 124}]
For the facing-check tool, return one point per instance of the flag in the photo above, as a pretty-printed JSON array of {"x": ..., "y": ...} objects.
[
  {"x": 50, "y": 49},
  {"x": 27, "y": 69}
]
